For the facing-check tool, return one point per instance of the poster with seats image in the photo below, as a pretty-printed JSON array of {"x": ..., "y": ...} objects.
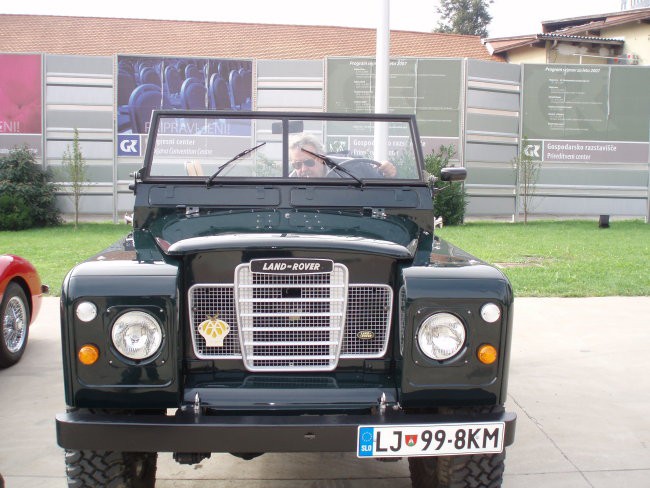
[{"x": 147, "y": 83}]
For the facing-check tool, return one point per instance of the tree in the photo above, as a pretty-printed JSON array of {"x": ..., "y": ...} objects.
[
  {"x": 75, "y": 165},
  {"x": 469, "y": 17},
  {"x": 28, "y": 198},
  {"x": 450, "y": 199},
  {"x": 526, "y": 167}
]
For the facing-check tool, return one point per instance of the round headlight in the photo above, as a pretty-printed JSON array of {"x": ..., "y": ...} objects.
[
  {"x": 490, "y": 312},
  {"x": 86, "y": 311},
  {"x": 136, "y": 335},
  {"x": 441, "y": 336}
]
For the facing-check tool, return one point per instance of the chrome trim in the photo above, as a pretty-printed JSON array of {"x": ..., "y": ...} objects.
[{"x": 290, "y": 331}]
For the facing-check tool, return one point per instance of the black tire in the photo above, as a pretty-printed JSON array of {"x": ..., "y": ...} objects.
[
  {"x": 474, "y": 471},
  {"x": 109, "y": 469},
  {"x": 478, "y": 471},
  {"x": 14, "y": 325}
]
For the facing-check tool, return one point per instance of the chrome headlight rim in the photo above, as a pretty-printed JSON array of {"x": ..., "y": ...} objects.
[
  {"x": 456, "y": 333},
  {"x": 151, "y": 324}
]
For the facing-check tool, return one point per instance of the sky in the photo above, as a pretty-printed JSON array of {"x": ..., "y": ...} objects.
[{"x": 510, "y": 17}]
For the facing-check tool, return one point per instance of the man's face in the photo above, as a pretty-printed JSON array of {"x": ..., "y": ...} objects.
[{"x": 305, "y": 165}]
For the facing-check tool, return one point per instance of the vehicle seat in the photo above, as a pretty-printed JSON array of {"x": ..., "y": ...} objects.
[{"x": 194, "y": 168}]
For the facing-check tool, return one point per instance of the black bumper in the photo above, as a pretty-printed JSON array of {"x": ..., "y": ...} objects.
[{"x": 255, "y": 433}]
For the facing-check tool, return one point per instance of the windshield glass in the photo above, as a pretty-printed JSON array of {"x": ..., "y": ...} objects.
[{"x": 217, "y": 147}]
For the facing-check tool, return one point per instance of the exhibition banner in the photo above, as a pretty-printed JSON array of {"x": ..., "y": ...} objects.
[
  {"x": 429, "y": 88},
  {"x": 21, "y": 105},
  {"x": 587, "y": 113}
]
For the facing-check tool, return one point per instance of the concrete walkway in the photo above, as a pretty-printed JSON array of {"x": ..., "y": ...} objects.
[{"x": 578, "y": 383}]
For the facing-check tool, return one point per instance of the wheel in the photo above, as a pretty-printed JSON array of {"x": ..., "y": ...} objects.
[
  {"x": 359, "y": 167},
  {"x": 474, "y": 471},
  {"x": 14, "y": 314},
  {"x": 477, "y": 471},
  {"x": 109, "y": 469}
]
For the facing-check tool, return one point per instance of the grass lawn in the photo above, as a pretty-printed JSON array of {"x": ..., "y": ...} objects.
[
  {"x": 542, "y": 258},
  {"x": 55, "y": 250},
  {"x": 563, "y": 258}
]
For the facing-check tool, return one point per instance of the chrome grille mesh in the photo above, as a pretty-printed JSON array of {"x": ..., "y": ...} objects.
[
  {"x": 368, "y": 321},
  {"x": 291, "y": 321},
  {"x": 296, "y": 322},
  {"x": 208, "y": 301}
]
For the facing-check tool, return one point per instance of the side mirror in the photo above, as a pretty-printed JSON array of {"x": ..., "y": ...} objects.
[{"x": 453, "y": 174}]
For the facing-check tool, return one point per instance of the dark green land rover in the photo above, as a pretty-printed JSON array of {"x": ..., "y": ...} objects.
[{"x": 283, "y": 291}]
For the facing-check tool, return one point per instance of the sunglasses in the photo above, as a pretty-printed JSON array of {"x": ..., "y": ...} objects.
[{"x": 307, "y": 162}]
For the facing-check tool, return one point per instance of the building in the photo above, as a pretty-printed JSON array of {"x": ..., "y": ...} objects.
[
  {"x": 93, "y": 36},
  {"x": 460, "y": 88},
  {"x": 611, "y": 38}
]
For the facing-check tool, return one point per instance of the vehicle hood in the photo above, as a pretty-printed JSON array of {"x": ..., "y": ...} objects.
[{"x": 178, "y": 234}]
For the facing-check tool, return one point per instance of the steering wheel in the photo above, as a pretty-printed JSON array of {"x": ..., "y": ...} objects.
[{"x": 360, "y": 167}]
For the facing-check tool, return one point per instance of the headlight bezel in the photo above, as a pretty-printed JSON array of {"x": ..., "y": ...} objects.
[
  {"x": 428, "y": 321},
  {"x": 133, "y": 359}
]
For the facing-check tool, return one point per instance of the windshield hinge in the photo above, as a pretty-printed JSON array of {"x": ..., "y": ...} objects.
[{"x": 137, "y": 177}]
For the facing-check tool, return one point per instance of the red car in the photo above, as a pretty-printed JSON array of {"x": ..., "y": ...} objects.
[{"x": 20, "y": 299}]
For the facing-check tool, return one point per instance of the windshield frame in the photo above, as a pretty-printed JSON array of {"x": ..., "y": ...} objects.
[{"x": 285, "y": 118}]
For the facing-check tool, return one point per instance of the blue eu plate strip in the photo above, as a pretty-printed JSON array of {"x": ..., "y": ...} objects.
[{"x": 366, "y": 441}]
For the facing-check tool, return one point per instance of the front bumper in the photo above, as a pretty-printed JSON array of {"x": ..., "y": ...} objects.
[{"x": 251, "y": 433}]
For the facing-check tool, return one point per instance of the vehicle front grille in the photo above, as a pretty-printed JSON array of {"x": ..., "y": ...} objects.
[
  {"x": 291, "y": 320},
  {"x": 296, "y": 322}
]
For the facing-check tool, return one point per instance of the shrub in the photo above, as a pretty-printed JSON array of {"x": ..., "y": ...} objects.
[
  {"x": 27, "y": 194},
  {"x": 450, "y": 199},
  {"x": 14, "y": 214}
]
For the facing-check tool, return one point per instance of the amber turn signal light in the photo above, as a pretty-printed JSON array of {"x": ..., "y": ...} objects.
[
  {"x": 487, "y": 354},
  {"x": 88, "y": 354}
]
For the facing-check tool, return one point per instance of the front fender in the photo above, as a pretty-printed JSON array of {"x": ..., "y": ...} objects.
[
  {"x": 15, "y": 268},
  {"x": 113, "y": 381},
  {"x": 463, "y": 379}
]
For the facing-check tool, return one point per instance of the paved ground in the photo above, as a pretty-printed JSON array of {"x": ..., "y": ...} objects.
[{"x": 578, "y": 383}]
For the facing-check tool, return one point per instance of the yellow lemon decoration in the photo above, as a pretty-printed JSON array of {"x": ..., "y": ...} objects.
[{"x": 214, "y": 331}]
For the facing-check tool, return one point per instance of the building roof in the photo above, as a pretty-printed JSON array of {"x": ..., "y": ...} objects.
[
  {"x": 498, "y": 46},
  {"x": 590, "y": 23},
  {"x": 109, "y": 36},
  {"x": 576, "y": 29}
]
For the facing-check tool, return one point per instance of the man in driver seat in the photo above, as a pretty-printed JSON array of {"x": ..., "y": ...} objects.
[{"x": 305, "y": 165}]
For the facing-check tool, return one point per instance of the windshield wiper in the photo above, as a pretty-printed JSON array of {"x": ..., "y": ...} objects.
[
  {"x": 335, "y": 166},
  {"x": 222, "y": 167}
]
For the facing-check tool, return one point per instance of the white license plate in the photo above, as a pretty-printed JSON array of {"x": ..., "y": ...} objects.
[{"x": 430, "y": 440}]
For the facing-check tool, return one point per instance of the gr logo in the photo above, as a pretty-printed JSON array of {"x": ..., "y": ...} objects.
[
  {"x": 533, "y": 151},
  {"x": 128, "y": 145}
]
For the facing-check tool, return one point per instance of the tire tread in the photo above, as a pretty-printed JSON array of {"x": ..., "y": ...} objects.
[
  {"x": 472, "y": 471},
  {"x": 109, "y": 469}
]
